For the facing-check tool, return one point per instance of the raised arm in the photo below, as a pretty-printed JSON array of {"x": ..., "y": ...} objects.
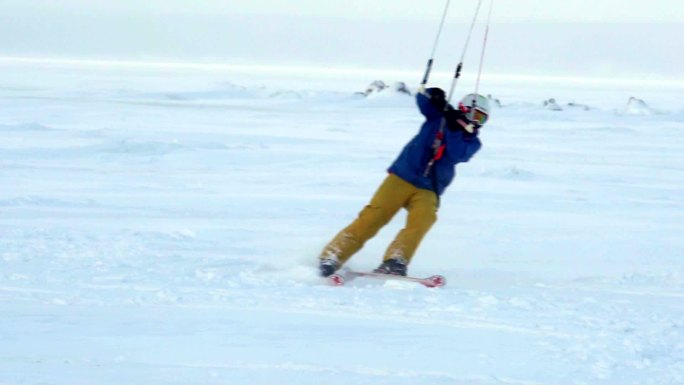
[{"x": 431, "y": 102}]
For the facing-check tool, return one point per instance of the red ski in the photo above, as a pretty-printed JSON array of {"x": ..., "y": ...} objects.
[{"x": 341, "y": 277}]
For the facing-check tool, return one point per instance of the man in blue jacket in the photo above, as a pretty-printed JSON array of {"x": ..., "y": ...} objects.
[{"x": 421, "y": 173}]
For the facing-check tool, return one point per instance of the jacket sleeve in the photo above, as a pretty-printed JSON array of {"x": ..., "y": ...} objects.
[
  {"x": 462, "y": 147},
  {"x": 425, "y": 104}
]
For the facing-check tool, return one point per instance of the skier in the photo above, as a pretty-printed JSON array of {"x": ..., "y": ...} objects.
[{"x": 420, "y": 174}]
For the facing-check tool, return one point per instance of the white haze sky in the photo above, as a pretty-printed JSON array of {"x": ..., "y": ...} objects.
[
  {"x": 601, "y": 38},
  {"x": 538, "y": 10}
]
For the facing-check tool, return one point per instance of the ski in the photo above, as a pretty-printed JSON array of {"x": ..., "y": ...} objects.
[{"x": 342, "y": 277}]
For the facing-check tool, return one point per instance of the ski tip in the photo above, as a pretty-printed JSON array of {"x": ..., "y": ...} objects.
[
  {"x": 336, "y": 280},
  {"x": 435, "y": 281}
]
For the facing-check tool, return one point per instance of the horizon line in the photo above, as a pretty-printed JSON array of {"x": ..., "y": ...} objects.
[{"x": 321, "y": 69}]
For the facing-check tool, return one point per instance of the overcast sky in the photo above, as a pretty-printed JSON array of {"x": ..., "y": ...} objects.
[
  {"x": 540, "y": 10},
  {"x": 560, "y": 37},
  {"x": 586, "y": 10}
]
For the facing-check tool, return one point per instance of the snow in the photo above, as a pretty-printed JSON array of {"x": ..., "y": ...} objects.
[{"x": 160, "y": 224}]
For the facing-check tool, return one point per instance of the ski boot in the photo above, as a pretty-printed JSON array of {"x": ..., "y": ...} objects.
[
  {"x": 394, "y": 266},
  {"x": 328, "y": 266}
]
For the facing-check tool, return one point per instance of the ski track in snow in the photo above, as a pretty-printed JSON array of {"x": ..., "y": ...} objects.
[{"x": 163, "y": 228}]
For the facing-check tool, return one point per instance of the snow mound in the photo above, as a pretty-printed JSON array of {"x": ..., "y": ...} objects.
[
  {"x": 494, "y": 101},
  {"x": 638, "y": 107},
  {"x": 227, "y": 91},
  {"x": 580, "y": 106},
  {"x": 379, "y": 86},
  {"x": 552, "y": 105}
]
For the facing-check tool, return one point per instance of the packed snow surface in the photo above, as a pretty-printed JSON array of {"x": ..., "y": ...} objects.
[{"x": 160, "y": 225}]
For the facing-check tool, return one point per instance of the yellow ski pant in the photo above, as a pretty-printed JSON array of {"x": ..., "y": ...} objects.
[{"x": 393, "y": 194}]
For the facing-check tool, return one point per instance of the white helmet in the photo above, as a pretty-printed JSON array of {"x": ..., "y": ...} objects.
[{"x": 476, "y": 108}]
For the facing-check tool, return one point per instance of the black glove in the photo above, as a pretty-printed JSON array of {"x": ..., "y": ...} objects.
[
  {"x": 456, "y": 120},
  {"x": 437, "y": 97}
]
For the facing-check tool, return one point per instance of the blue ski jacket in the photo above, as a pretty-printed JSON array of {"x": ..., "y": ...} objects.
[{"x": 413, "y": 160}]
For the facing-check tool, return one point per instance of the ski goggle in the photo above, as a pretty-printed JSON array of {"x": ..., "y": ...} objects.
[
  {"x": 478, "y": 116},
  {"x": 475, "y": 115}
]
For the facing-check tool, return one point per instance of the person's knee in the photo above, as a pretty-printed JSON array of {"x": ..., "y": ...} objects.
[
  {"x": 429, "y": 219},
  {"x": 423, "y": 220},
  {"x": 371, "y": 220}
]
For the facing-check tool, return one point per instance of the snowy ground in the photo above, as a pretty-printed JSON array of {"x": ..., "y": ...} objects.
[{"x": 159, "y": 225}]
